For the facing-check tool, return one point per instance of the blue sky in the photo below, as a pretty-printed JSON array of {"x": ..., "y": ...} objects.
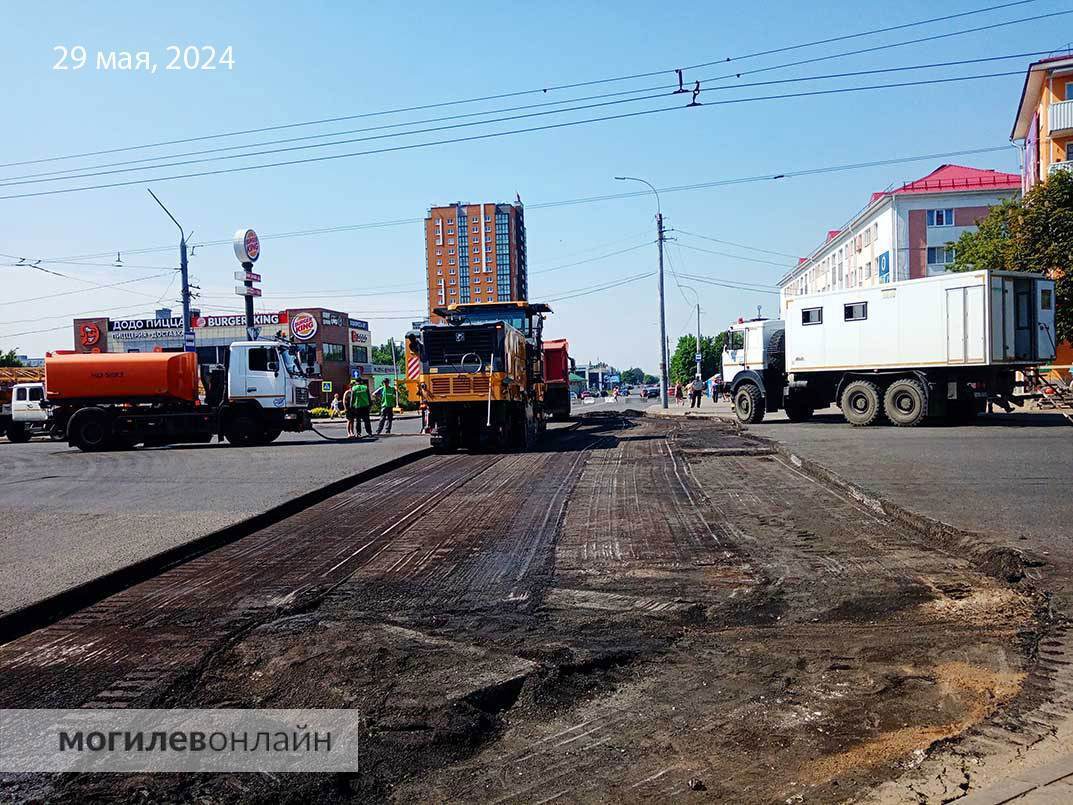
[{"x": 297, "y": 62}]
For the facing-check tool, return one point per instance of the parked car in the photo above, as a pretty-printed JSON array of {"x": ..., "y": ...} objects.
[
  {"x": 586, "y": 394},
  {"x": 651, "y": 392}
]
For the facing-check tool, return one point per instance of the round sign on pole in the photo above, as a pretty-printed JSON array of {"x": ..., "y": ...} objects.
[{"x": 247, "y": 246}]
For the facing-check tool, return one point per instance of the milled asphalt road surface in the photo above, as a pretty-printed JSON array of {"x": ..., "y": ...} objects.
[
  {"x": 67, "y": 517},
  {"x": 1007, "y": 474}
]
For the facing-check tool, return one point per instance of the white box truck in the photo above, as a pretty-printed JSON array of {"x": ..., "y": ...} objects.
[{"x": 940, "y": 346}]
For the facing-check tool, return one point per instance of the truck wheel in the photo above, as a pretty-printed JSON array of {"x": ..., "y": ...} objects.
[
  {"x": 17, "y": 433},
  {"x": 90, "y": 430},
  {"x": 861, "y": 403},
  {"x": 906, "y": 403},
  {"x": 748, "y": 404},
  {"x": 270, "y": 435},
  {"x": 798, "y": 412},
  {"x": 242, "y": 431}
]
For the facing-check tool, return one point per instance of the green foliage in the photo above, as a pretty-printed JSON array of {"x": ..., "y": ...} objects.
[
  {"x": 650, "y": 380},
  {"x": 683, "y": 362},
  {"x": 381, "y": 354},
  {"x": 1032, "y": 234},
  {"x": 9, "y": 360},
  {"x": 633, "y": 377}
]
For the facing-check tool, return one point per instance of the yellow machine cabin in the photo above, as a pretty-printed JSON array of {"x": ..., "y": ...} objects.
[{"x": 482, "y": 374}]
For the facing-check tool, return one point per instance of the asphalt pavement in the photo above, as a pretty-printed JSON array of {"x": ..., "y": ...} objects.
[{"x": 67, "y": 517}]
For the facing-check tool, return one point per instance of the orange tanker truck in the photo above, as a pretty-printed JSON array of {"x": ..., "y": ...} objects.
[{"x": 106, "y": 401}]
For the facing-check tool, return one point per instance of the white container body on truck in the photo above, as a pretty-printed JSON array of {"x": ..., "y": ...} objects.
[{"x": 942, "y": 345}]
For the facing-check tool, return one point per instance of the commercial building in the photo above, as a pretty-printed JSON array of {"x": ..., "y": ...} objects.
[
  {"x": 1044, "y": 122},
  {"x": 904, "y": 233},
  {"x": 340, "y": 344},
  {"x": 475, "y": 253}
]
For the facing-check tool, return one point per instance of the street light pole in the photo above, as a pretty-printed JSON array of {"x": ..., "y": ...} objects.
[
  {"x": 188, "y": 333},
  {"x": 662, "y": 309}
]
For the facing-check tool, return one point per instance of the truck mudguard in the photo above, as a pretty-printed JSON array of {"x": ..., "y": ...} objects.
[{"x": 749, "y": 376}]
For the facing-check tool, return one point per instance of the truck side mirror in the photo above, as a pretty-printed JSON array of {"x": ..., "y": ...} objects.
[{"x": 274, "y": 368}]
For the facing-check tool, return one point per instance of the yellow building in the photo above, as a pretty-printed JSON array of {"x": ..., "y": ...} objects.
[{"x": 1044, "y": 124}]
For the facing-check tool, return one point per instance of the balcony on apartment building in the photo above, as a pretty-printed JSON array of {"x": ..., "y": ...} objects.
[
  {"x": 1061, "y": 117},
  {"x": 1059, "y": 166}
]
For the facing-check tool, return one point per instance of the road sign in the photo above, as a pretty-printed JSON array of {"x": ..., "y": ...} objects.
[
  {"x": 697, "y": 357},
  {"x": 242, "y": 290},
  {"x": 247, "y": 276},
  {"x": 326, "y": 386}
]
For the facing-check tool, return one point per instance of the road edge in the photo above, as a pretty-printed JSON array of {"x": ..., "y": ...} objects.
[{"x": 21, "y": 621}]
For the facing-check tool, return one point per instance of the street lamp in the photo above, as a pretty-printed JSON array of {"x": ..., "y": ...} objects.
[{"x": 662, "y": 311}]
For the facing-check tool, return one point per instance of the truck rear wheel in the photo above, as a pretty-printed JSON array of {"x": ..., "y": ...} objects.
[
  {"x": 90, "y": 430},
  {"x": 748, "y": 404},
  {"x": 906, "y": 403},
  {"x": 17, "y": 433},
  {"x": 861, "y": 403},
  {"x": 242, "y": 431},
  {"x": 798, "y": 412}
]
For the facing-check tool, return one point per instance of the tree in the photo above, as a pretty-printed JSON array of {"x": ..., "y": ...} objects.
[
  {"x": 632, "y": 377},
  {"x": 381, "y": 354},
  {"x": 650, "y": 380},
  {"x": 684, "y": 364},
  {"x": 1032, "y": 234},
  {"x": 9, "y": 359}
]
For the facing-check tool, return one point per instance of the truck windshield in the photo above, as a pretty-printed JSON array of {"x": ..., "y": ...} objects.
[
  {"x": 291, "y": 363},
  {"x": 519, "y": 321}
]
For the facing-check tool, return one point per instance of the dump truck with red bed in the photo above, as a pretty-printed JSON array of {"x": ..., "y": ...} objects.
[{"x": 557, "y": 365}]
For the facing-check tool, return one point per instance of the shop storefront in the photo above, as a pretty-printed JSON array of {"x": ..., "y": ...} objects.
[{"x": 339, "y": 344}]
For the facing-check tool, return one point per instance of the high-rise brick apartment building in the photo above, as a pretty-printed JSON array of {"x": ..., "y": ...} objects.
[{"x": 475, "y": 253}]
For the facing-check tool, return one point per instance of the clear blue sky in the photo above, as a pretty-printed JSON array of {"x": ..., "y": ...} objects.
[{"x": 295, "y": 62}]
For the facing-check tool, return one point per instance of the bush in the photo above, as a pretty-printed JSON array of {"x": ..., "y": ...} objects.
[{"x": 320, "y": 412}]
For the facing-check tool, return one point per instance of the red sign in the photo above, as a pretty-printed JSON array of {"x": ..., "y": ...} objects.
[
  {"x": 89, "y": 334},
  {"x": 303, "y": 326}
]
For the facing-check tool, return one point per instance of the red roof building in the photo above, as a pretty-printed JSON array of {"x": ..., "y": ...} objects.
[{"x": 904, "y": 233}]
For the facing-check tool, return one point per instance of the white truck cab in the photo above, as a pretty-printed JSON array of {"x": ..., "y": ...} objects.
[
  {"x": 746, "y": 346},
  {"x": 28, "y": 416}
]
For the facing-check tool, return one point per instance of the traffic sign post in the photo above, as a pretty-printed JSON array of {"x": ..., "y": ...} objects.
[{"x": 247, "y": 250}]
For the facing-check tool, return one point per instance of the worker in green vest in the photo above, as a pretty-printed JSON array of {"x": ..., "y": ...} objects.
[
  {"x": 388, "y": 396},
  {"x": 358, "y": 407}
]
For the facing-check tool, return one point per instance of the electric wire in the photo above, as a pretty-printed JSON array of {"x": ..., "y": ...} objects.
[
  {"x": 492, "y": 135},
  {"x": 541, "y": 90}
]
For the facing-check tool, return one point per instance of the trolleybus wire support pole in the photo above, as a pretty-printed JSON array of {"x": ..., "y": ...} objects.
[{"x": 662, "y": 308}]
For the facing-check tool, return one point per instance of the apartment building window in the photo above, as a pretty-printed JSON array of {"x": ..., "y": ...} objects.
[
  {"x": 439, "y": 262},
  {"x": 450, "y": 241},
  {"x": 451, "y": 263},
  {"x": 875, "y": 232},
  {"x": 858, "y": 311},
  {"x": 451, "y": 271},
  {"x": 868, "y": 269},
  {"x": 334, "y": 352},
  {"x": 941, "y": 217},
  {"x": 439, "y": 252},
  {"x": 940, "y": 255},
  {"x": 439, "y": 271},
  {"x": 359, "y": 354}
]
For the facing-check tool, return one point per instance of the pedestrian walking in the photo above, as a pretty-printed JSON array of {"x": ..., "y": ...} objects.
[
  {"x": 679, "y": 397},
  {"x": 336, "y": 408},
  {"x": 358, "y": 409},
  {"x": 387, "y": 394},
  {"x": 696, "y": 391}
]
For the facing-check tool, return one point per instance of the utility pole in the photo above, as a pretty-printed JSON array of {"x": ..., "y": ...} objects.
[
  {"x": 662, "y": 310},
  {"x": 188, "y": 332},
  {"x": 698, "y": 355}
]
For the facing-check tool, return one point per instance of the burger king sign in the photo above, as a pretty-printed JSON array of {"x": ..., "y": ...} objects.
[{"x": 303, "y": 326}]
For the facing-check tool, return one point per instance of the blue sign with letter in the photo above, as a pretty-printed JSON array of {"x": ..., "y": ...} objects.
[{"x": 883, "y": 267}]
